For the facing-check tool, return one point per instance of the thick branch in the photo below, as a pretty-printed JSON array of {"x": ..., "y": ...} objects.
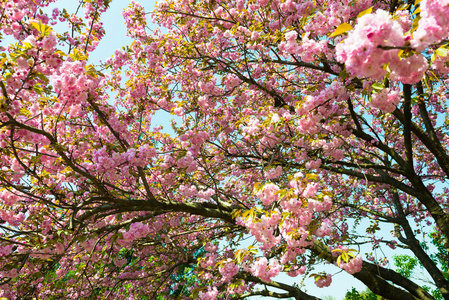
[
  {"x": 425, "y": 115},
  {"x": 375, "y": 280},
  {"x": 434, "y": 146},
  {"x": 407, "y": 126},
  {"x": 381, "y": 179},
  {"x": 292, "y": 291},
  {"x": 202, "y": 209},
  {"x": 414, "y": 245}
]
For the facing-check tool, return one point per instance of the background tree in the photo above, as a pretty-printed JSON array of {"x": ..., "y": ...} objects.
[
  {"x": 356, "y": 295},
  {"x": 304, "y": 126},
  {"x": 410, "y": 267}
]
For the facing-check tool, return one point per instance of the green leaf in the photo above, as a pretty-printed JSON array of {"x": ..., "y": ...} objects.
[
  {"x": 239, "y": 254},
  {"x": 38, "y": 89},
  {"x": 196, "y": 292},
  {"x": 42, "y": 77},
  {"x": 342, "y": 28},
  {"x": 343, "y": 74},
  {"x": 377, "y": 86}
]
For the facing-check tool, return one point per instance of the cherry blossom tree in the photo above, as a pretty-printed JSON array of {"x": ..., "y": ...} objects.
[{"x": 305, "y": 127}]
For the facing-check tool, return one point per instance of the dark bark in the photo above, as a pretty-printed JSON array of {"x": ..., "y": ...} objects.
[
  {"x": 377, "y": 280},
  {"x": 291, "y": 290}
]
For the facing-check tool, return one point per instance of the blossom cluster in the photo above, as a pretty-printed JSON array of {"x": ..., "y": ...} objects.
[
  {"x": 386, "y": 100},
  {"x": 366, "y": 50},
  {"x": 266, "y": 270},
  {"x": 323, "y": 281},
  {"x": 433, "y": 25},
  {"x": 353, "y": 266}
]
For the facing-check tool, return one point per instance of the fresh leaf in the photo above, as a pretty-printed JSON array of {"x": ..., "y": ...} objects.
[
  {"x": 38, "y": 89},
  {"x": 441, "y": 52},
  {"x": 365, "y": 12},
  {"x": 377, "y": 87},
  {"x": 342, "y": 28}
]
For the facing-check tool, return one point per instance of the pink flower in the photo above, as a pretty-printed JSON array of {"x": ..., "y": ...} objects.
[
  {"x": 322, "y": 281},
  {"x": 314, "y": 164},
  {"x": 211, "y": 294},
  {"x": 295, "y": 271},
  {"x": 120, "y": 262},
  {"x": 360, "y": 50},
  {"x": 386, "y": 100},
  {"x": 228, "y": 270},
  {"x": 310, "y": 191},
  {"x": 291, "y": 35},
  {"x": 324, "y": 229},
  {"x": 265, "y": 271},
  {"x": 252, "y": 127},
  {"x": 49, "y": 42},
  {"x": 433, "y": 25},
  {"x": 268, "y": 194},
  {"x": 273, "y": 172},
  {"x": 353, "y": 266},
  {"x": 409, "y": 70}
]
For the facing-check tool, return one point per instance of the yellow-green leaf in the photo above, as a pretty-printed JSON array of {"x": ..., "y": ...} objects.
[
  {"x": 78, "y": 55},
  {"x": 342, "y": 28},
  {"x": 377, "y": 86},
  {"x": 42, "y": 77},
  {"x": 406, "y": 53},
  {"x": 403, "y": 6},
  {"x": 441, "y": 52},
  {"x": 27, "y": 45},
  {"x": 343, "y": 74},
  {"x": 256, "y": 188},
  {"x": 415, "y": 23},
  {"x": 433, "y": 57},
  {"x": 365, "y": 12},
  {"x": 41, "y": 27},
  {"x": 312, "y": 176},
  {"x": 38, "y": 89}
]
